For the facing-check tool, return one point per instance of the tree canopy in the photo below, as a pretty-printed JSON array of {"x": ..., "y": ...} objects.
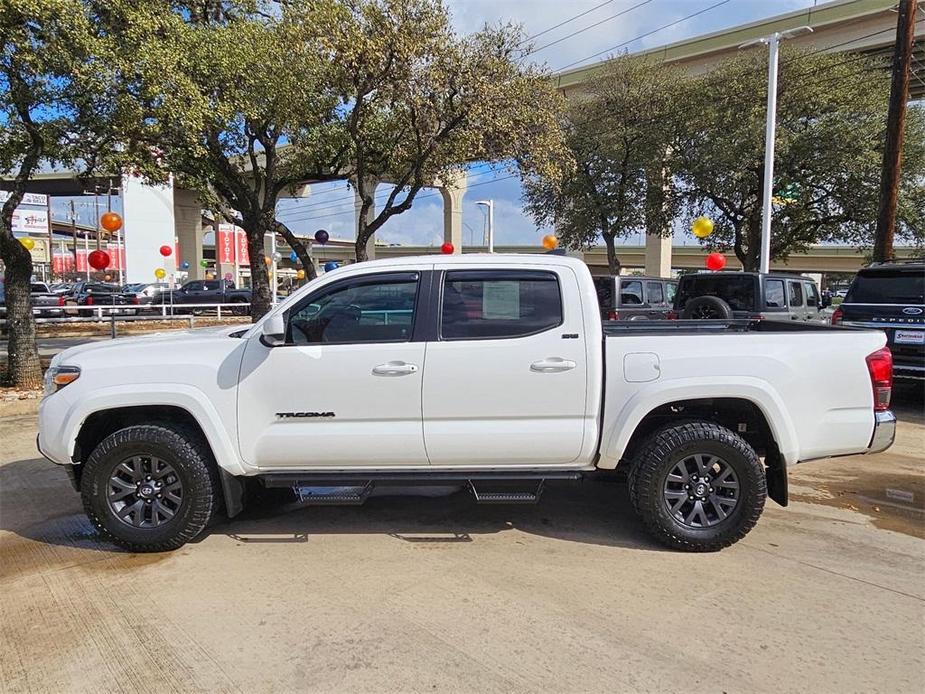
[{"x": 620, "y": 137}]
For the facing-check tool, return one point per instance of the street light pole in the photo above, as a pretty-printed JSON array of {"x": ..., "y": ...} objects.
[
  {"x": 490, "y": 204},
  {"x": 770, "y": 132}
]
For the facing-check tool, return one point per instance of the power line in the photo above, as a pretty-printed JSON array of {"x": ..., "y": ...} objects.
[
  {"x": 590, "y": 26},
  {"x": 563, "y": 23},
  {"x": 648, "y": 33}
]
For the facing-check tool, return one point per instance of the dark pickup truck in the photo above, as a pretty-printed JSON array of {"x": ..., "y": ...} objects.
[
  {"x": 45, "y": 304},
  {"x": 891, "y": 297},
  {"x": 203, "y": 292}
]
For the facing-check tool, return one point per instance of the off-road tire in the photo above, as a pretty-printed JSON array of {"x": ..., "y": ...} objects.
[
  {"x": 186, "y": 452},
  {"x": 662, "y": 451}
]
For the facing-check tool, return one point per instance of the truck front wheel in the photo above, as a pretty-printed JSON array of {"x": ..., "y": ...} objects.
[
  {"x": 150, "y": 488},
  {"x": 697, "y": 486}
]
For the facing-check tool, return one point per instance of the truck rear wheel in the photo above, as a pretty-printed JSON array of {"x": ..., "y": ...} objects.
[
  {"x": 697, "y": 486},
  {"x": 150, "y": 488}
]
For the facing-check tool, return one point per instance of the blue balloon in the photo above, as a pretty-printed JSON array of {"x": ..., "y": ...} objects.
[
  {"x": 294, "y": 257},
  {"x": 330, "y": 265},
  {"x": 184, "y": 265}
]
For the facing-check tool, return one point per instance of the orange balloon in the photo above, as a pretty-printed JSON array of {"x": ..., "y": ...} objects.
[
  {"x": 111, "y": 221},
  {"x": 210, "y": 276},
  {"x": 550, "y": 242},
  {"x": 267, "y": 260}
]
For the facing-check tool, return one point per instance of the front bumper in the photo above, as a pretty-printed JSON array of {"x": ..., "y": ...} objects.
[{"x": 884, "y": 432}]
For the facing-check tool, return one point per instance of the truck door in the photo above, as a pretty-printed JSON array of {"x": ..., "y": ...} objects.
[
  {"x": 345, "y": 389},
  {"x": 813, "y": 312},
  {"x": 655, "y": 298},
  {"x": 505, "y": 378}
]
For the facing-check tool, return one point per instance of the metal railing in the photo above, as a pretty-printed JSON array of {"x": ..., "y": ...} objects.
[{"x": 114, "y": 314}]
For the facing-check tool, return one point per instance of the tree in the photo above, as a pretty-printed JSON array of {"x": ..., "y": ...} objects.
[
  {"x": 417, "y": 103},
  {"x": 831, "y": 121},
  {"x": 238, "y": 99},
  {"x": 620, "y": 137},
  {"x": 52, "y": 111}
]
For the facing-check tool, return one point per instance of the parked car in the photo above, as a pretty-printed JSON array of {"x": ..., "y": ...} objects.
[
  {"x": 522, "y": 383},
  {"x": 45, "y": 303},
  {"x": 726, "y": 295},
  {"x": 143, "y": 294},
  {"x": 61, "y": 287},
  {"x": 891, "y": 297},
  {"x": 204, "y": 292},
  {"x": 87, "y": 296},
  {"x": 634, "y": 298}
]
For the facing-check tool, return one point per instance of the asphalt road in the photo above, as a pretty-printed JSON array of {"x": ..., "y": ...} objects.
[{"x": 438, "y": 594}]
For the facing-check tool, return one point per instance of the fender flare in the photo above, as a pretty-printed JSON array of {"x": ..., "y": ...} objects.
[
  {"x": 183, "y": 396},
  {"x": 758, "y": 392}
]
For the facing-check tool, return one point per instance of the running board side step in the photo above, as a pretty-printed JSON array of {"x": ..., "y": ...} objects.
[
  {"x": 507, "y": 497},
  {"x": 338, "y": 496}
]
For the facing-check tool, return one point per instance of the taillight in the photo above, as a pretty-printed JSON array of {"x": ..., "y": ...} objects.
[
  {"x": 671, "y": 315},
  {"x": 756, "y": 316},
  {"x": 60, "y": 301},
  {"x": 89, "y": 301},
  {"x": 613, "y": 315},
  {"x": 880, "y": 367},
  {"x": 136, "y": 300},
  {"x": 837, "y": 316}
]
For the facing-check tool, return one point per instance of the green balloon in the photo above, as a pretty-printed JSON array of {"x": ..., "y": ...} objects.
[{"x": 203, "y": 263}]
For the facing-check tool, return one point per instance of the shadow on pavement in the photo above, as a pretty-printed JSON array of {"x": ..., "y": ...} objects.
[{"x": 38, "y": 504}]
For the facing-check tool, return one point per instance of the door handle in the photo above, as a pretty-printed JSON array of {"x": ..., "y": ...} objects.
[
  {"x": 394, "y": 368},
  {"x": 552, "y": 365}
]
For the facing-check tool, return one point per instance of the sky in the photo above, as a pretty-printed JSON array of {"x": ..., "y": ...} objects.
[{"x": 330, "y": 206}]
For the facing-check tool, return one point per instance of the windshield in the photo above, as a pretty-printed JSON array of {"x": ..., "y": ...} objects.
[
  {"x": 736, "y": 290},
  {"x": 888, "y": 287}
]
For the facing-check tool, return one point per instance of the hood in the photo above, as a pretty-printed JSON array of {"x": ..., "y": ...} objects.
[{"x": 160, "y": 340}]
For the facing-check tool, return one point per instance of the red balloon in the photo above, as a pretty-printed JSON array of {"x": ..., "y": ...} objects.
[
  {"x": 716, "y": 261},
  {"x": 99, "y": 260},
  {"x": 447, "y": 248},
  {"x": 166, "y": 250}
]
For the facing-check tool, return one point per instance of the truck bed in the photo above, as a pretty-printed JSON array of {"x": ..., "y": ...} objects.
[{"x": 692, "y": 327}]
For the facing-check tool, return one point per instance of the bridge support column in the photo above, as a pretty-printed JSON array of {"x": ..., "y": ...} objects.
[
  {"x": 658, "y": 255},
  {"x": 452, "y": 191},
  {"x": 187, "y": 215}
]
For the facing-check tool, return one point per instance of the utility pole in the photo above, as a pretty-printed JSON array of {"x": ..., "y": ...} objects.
[
  {"x": 895, "y": 124},
  {"x": 490, "y": 204},
  {"x": 74, "y": 233}
]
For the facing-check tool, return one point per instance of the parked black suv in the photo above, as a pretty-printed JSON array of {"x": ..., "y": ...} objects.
[
  {"x": 630, "y": 297},
  {"x": 725, "y": 295},
  {"x": 891, "y": 296}
]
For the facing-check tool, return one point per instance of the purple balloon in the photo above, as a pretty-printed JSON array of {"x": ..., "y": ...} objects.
[{"x": 321, "y": 236}]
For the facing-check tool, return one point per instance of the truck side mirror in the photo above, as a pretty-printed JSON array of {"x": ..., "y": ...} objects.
[{"x": 273, "y": 330}]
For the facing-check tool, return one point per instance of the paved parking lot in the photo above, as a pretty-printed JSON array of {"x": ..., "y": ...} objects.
[{"x": 438, "y": 594}]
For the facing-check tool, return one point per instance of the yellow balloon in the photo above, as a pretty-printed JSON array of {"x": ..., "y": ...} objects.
[
  {"x": 267, "y": 260},
  {"x": 702, "y": 227},
  {"x": 300, "y": 274},
  {"x": 160, "y": 273},
  {"x": 210, "y": 276},
  {"x": 27, "y": 243},
  {"x": 550, "y": 242}
]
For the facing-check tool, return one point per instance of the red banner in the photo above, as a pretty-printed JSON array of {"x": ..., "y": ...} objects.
[
  {"x": 243, "y": 257},
  {"x": 232, "y": 241}
]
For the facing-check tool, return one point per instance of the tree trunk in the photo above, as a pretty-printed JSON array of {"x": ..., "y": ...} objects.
[
  {"x": 261, "y": 296},
  {"x": 613, "y": 262},
  {"x": 24, "y": 369},
  {"x": 751, "y": 257},
  {"x": 362, "y": 239},
  {"x": 300, "y": 250}
]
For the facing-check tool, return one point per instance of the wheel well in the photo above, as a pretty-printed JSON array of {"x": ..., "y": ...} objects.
[
  {"x": 736, "y": 414},
  {"x": 102, "y": 423}
]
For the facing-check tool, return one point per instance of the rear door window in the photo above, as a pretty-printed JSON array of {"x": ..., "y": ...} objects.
[
  {"x": 655, "y": 293},
  {"x": 774, "y": 294},
  {"x": 489, "y": 304},
  {"x": 796, "y": 294},
  {"x": 631, "y": 293},
  {"x": 812, "y": 294}
]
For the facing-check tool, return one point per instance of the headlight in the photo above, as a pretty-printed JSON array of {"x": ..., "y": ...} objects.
[{"x": 56, "y": 377}]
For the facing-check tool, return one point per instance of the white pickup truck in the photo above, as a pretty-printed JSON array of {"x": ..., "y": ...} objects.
[{"x": 493, "y": 372}]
